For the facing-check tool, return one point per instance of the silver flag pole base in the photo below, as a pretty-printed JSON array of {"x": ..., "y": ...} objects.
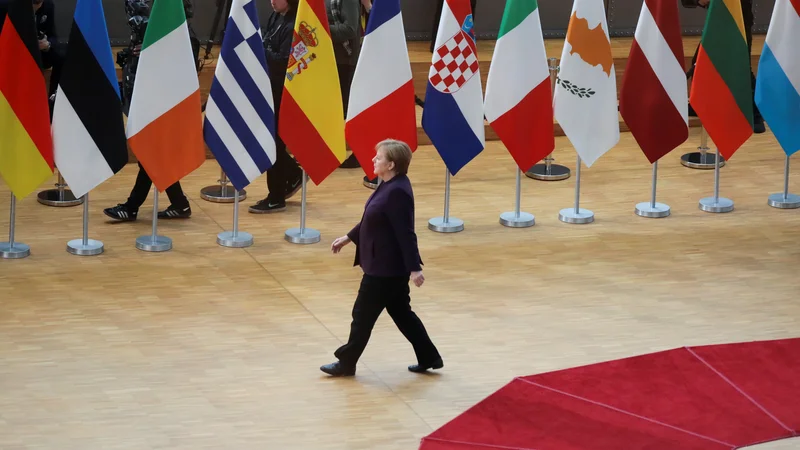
[
  {"x": 153, "y": 243},
  {"x": 238, "y": 240},
  {"x": 17, "y": 250},
  {"x": 58, "y": 197},
  {"x": 514, "y": 220},
  {"x": 449, "y": 225},
  {"x": 221, "y": 194},
  {"x": 720, "y": 205},
  {"x": 700, "y": 160},
  {"x": 552, "y": 172},
  {"x": 646, "y": 209},
  {"x": 91, "y": 248},
  {"x": 782, "y": 201},
  {"x": 569, "y": 215},
  {"x": 302, "y": 236}
]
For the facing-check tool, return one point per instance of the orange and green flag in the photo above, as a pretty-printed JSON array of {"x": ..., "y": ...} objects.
[
  {"x": 26, "y": 145},
  {"x": 311, "y": 117},
  {"x": 721, "y": 91}
]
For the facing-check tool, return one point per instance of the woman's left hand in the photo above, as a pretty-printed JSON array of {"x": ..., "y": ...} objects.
[{"x": 417, "y": 278}]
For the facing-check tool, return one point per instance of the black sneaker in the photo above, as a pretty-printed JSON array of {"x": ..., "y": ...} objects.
[
  {"x": 175, "y": 213},
  {"x": 372, "y": 184},
  {"x": 268, "y": 205},
  {"x": 292, "y": 187},
  {"x": 758, "y": 125},
  {"x": 122, "y": 212}
]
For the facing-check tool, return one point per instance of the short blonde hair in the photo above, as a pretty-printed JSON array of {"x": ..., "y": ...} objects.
[{"x": 397, "y": 152}]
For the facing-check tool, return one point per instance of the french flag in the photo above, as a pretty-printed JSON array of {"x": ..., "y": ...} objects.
[
  {"x": 382, "y": 94},
  {"x": 778, "y": 81},
  {"x": 453, "y": 113}
]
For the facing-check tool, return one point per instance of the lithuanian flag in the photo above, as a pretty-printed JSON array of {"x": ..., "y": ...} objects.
[
  {"x": 26, "y": 145},
  {"x": 165, "y": 123},
  {"x": 722, "y": 92},
  {"x": 311, "y": 117}
]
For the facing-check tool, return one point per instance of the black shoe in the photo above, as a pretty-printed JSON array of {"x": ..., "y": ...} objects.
[
  {"x": 420, "y": 368},
  {"x": 351, "y": 162},
  {"x": 173, "y": 212},
  {"x": 268, "y": 205},
  {"x": 294, "y": 186},
  {"x": 372, "y": 184},
  {"x": 419, "y": 102},
  {"x": 337, "y": 369},
  {"x": 758, "y": 125},
  {"x": 122, "y": 212}
]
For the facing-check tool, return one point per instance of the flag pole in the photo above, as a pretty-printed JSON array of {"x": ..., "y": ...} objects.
[
  {"x": 60, "y": 196},
  {"x": 716, "y": 204},
  {"x": 446, "y": 224},
  {"x": 576, "y": 215},
  {"x": 701, "y": 159},
  {"x": 549, "y": 171},
  {"x": 221, "y": 193},
  {"x": 302, "y": 235},
  {"x": 154, "y": 242},
  {"x": 85, "y": 246},
  {"x": 517, "y": 219},
  {"x": 785, "y": 200},
  {"x": 652, "y": 209},
  {"x": 235, "y": 238},
  {"x": 11, "y": 249}
]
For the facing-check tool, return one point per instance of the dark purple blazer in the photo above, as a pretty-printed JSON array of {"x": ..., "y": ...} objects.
[{"x": 386, "y": 244}]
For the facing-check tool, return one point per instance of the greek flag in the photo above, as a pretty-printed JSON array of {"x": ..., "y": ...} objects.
[{"x": 239, "y": 126}]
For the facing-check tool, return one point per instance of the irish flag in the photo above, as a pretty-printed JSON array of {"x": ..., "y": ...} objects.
[
  {"x": 165, "y": 125},
  {"x": 519, "y": 101},
  {"x": 721, "y": 91}
]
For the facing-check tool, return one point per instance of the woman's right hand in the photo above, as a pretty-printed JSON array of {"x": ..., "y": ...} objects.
[{"x": 339, "y": 243}]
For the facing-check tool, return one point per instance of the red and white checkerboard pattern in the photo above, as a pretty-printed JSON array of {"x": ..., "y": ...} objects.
[{"x": 454, "y": 64}]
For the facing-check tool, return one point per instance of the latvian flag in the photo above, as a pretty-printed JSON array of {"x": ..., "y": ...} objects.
[
  {"x": 88, "y": 131},
  {"x": 240, "y": 118},
  {"x": 382, "y": 97},
  {"x": 26, "y": 145},
  {"x": 654, "y": 97}
]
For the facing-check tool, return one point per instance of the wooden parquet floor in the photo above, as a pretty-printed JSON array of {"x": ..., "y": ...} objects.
[{"x": 206, "y": 347}]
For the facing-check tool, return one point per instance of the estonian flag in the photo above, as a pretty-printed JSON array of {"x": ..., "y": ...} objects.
[{"x": 89, "y": 140}]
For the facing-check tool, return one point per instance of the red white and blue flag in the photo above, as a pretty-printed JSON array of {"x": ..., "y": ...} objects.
[
  {"x": 382, "y": 95},
  {"x": 453, "y": 114}
]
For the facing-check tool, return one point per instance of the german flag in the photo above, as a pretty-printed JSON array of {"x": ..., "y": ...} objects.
[{"x": 26, "y": 144}]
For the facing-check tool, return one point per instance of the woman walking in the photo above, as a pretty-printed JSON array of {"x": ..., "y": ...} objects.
[{"x": 386, "y": 250}]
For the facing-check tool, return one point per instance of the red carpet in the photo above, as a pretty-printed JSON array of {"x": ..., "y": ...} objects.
[{"x": 717, "y": 397}]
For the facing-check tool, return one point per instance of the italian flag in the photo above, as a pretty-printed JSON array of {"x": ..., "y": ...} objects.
[
  {"x": 722, "y": 92},
  {"x": 165, "y": 125},
  {"x": 519, "y": 100}
]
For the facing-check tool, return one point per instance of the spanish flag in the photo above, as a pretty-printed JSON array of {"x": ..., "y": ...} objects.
[
  {"x": 26, "y": 145},
  {"x": 311, "y": 118}
]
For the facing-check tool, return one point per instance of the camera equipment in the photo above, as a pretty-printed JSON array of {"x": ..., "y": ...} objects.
[{"x": 138, "y": 13}]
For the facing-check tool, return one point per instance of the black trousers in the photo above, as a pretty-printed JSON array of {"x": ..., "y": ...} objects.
[
  {"x": 53, "y": 59},
  {"x": 282, "y": 172},
  {"x": 142, "y": 187},
  {"x": 375, "y": 294},
  {"x": 438, "y": 16}
]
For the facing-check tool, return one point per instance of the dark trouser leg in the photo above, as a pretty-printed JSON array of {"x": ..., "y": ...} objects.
[
  {"x": 366, "y": 310},
  {"x": 346, "y": 73},
  {"x": 284, "y": 169},
  {"x": 53, "y": 59},
  {"x": 437, "y": 17},
  {"x": 398, "y": 305},
  {"x": 142, "y": 187}
]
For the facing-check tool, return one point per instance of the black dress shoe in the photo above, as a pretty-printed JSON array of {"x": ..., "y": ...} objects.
[
  {"x": 420, "y": 368},
  {"x": 337, "y": 369}
]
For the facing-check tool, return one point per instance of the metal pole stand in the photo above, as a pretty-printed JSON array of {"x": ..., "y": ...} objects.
[
  {"x": 221, "y": 193},
  {"x": 85, "y": 246},
  {"x": 517, "y": 219},
  {"x": 446, "y": 224},
  {"x": 549, "y": 171},
  {"x": 11, "y": 249},
  {"x": 701, "y": 159},
  {"x": 716, "y": 204},
  {"x": 154, "y": 242},
  {"x": 61, "y": 196},
  {"x": 652, "y": 209},
  {"x": 576, "y": 215},
  {"x": 785, "y": 200},
  {"x": 235, "y": 238},
  {"x": 302, "y": 235}
]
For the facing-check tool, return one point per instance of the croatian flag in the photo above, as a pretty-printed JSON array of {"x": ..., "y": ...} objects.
[
  {"x": 778, "y": 81},
  {"x": 239, "y": 127},
  {"x": 453, "y": 113},
  {"x": 382, "y": 87}
]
